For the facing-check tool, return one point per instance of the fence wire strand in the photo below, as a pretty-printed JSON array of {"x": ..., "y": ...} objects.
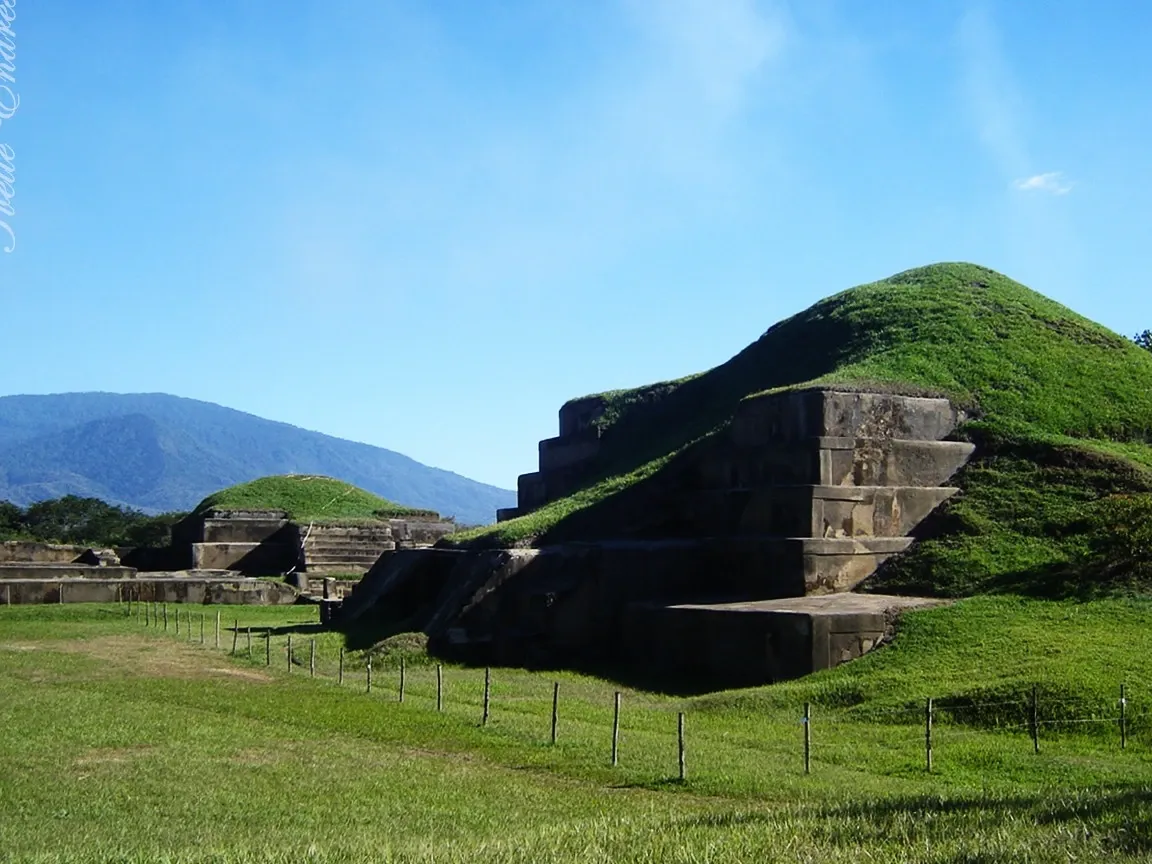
[{"x": 946, "y": 729}]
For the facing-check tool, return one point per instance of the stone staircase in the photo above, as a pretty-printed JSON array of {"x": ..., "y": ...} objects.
[{"x": 344, "y": 549}]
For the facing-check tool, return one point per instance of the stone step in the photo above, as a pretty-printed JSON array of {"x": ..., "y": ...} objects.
[
  {"x": 359, "y": 561},
  {"x": 329, "y": 567},
  {"x": 350, "y": 547},
  {"x": 834, "y": 462},
  {"x": 806, "y": 511},
  {"x": 369, "y": 535},
  {"x": 351, "y": 563},
  {"x": 775, "y": 418},
  {"x": 749, "y": 643}
]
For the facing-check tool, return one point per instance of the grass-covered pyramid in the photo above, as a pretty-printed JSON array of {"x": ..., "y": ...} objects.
[
  {"x": 1057, "y": 498},
  {"x": 307, "y": 497}
]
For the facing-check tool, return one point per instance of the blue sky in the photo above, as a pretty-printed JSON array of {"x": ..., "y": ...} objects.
[{"x": 426, "y": 225}]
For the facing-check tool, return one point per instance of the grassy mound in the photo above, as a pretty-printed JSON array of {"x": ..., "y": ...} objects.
[
  {"x": 307, "y": 497},
  {"x": 1062, "y": 412}
]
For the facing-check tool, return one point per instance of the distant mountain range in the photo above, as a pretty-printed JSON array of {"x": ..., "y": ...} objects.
[{"x": 157, "y": 452}]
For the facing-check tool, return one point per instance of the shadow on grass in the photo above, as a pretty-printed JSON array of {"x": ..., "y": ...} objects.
[
  {"x": 1120, "y": 816},
  {"x": 1123, "y": 814},
  {"x": 280, "y": 629}
]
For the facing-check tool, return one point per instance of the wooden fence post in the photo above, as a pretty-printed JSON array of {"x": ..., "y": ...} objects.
[
  {"x": 289, "y": 652},
  {"x": 201, "y": 628},
  {"x": 680, "y": 736},
  {"x": 1123, "y": 719},
  {"x": 807, "y": 737},
  {"x": 439, "y": 687},
  {"x": 402, "y": 677},
  {"x": 1035, "y": 721},
  {"x": 312, "y": 658},
  {"x": 249, "y": 638},
  {"x": 928, "y": 735},
  {"x": 165, "y": 617},
  {"x": 177, "y": 620},
  {"x": 616, "y": 729},
  {"x": 235, "y": 634},
  {"x": 368, "y": 677},
  {"x": 217, "y": 628},
  {"x": 268, "y": 647},
  {"x": 340, "y": 679},
  {"x": 487, "y": 694},
  {"x": 555, "y": 707}
]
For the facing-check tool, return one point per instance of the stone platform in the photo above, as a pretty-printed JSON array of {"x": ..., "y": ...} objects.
[
  {"x": 747, "y": 643},
  {"x": 161, "y": 589}
]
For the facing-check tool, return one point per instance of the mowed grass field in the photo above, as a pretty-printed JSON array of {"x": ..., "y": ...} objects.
[{"x": 120, "y": 742}]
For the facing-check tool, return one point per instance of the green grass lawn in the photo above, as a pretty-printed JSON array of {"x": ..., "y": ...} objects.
[
  {"x": 126, "y": 743},
  {"x": 308, "y": 497}
]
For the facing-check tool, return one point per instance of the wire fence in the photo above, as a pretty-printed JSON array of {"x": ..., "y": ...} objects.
[{"x": 538, "y": 705}]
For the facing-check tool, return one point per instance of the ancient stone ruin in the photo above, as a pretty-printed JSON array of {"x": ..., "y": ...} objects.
[
  {"x": 729, "y": 566},
  {"x": 211, "y": 559},
  {"x": 266, "y": 542},
  {"x": 33, "y": 572}
]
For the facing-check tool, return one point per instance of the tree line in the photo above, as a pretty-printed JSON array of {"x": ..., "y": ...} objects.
[
  {"x": 1144, "y": 340},
  {"x": 85, "y": 522}
]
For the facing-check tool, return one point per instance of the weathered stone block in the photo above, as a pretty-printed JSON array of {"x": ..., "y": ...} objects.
[
  {"x": 557, "y": 453},
  {"x": 793, "y": 416}
]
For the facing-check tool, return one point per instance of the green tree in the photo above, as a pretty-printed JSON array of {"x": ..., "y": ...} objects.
[
  {"x": 11, "y": 521},
  {"x": 152, "y": 532},
  {"x": 84, "y": 521},
  {"x": 1144, "y": 340}
]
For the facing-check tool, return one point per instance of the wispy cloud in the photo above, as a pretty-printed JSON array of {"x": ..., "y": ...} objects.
[
  {"x": 994, "y": 100},
  {"x": 1039, "y": 243},
  {"x": 1054, "y": 183}
]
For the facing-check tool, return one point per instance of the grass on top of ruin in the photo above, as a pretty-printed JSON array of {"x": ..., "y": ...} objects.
[
  {"x": 122, "y": 742},
  {"x": 308, "y": 497}
]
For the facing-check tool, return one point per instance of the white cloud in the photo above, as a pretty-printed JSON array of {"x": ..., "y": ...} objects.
[
  {"x": 993, "y": 97},
  {"x": 1053, "y": 183},
  {"x": 713, "y": 47}
]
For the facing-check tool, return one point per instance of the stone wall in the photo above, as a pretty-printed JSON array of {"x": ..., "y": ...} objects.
[
  {"x": 27, "y": 551},
  {"x": 31, "y": 570},
  {"x": 176, "y": 589}
]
